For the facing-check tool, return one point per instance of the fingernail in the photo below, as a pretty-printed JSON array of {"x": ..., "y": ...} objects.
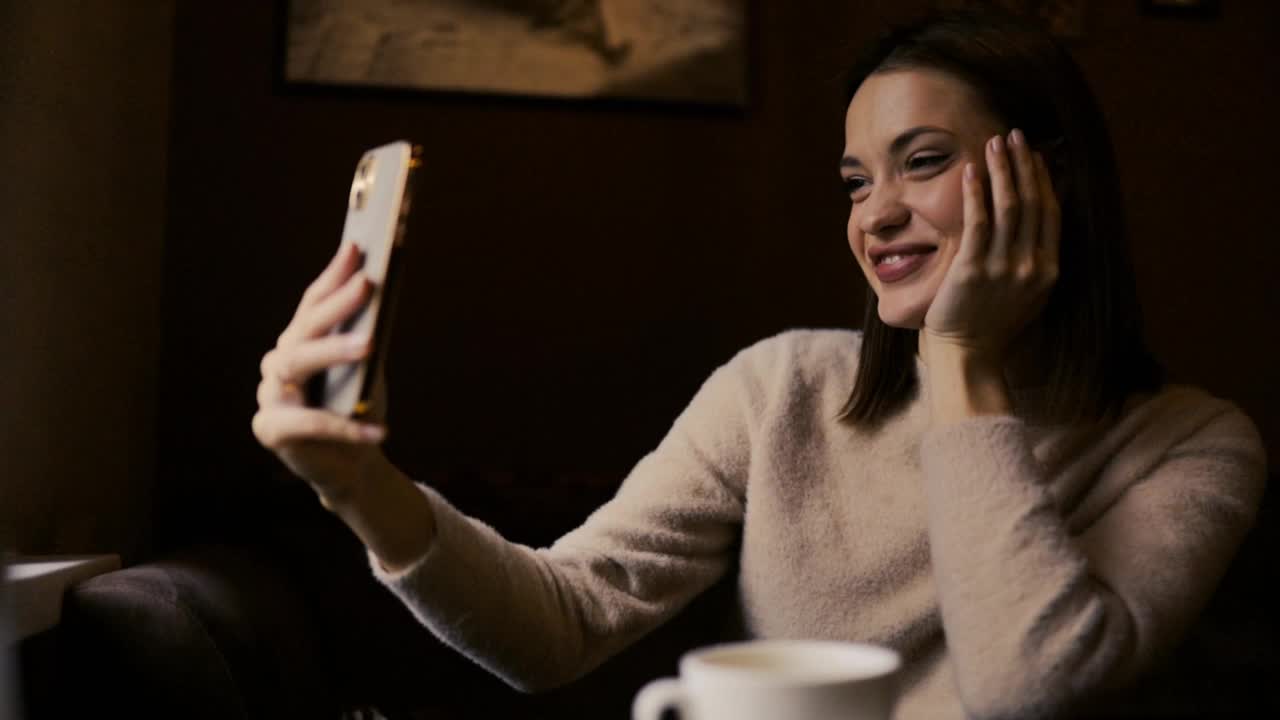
[
  {"x": 1015, "y": 137},
  {"x": 358, "y": 342},
  {"x": 373, "y": 432},
  {"x": 970, "y": 172},
  {"x": 997, "y": 144}
]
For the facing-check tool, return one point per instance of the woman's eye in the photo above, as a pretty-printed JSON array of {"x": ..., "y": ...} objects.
[
  {"x": 920, "y": 162},
  {"x": 855, "y": 186}
]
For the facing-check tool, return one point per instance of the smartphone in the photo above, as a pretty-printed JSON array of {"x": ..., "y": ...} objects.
[{"x": 377, "y": 216}]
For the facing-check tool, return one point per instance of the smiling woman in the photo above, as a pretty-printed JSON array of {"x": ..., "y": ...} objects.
[
  {"x": 989, "y": 479},
  {"x": 917, "y": 132},
  {"x": 925, "y": 104}
]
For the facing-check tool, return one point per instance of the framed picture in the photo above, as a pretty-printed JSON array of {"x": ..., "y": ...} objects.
[
  {"x": 1063, "y": 18},
  {"x": 1182, "y": 8},
  {"x": 673, "y": 50}
]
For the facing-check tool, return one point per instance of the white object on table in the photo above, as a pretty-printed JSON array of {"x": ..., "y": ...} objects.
[{"x": 34, "y": 587}]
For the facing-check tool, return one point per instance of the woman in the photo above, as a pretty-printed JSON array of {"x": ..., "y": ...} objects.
[{"x": 989, "y": 478}]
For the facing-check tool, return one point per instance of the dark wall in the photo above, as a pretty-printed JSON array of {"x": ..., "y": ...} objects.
[
  {"x": 84, "y": 105},
  {"x": 1193, "y": 111},
  {"x": 578, "y": 269}
]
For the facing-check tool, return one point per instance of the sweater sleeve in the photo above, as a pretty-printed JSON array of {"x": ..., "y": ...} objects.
[
  {"x": 541, "y": 618},
  {"x": 1037, "y": 619}
]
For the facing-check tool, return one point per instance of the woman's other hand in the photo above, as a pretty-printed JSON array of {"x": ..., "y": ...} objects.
[
  {"x": 329, "y": 451},
  {"x": 1008, "y": 257}
]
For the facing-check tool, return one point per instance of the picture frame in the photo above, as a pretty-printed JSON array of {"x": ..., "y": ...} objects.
[
  {"x": 675, "y": 51},
  {"x": 1191, "y": 9},
  {"x": 1064, "y": 19}
]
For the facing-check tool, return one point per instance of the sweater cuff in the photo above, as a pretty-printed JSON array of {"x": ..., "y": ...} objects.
[{"x": 447, "y": 521}]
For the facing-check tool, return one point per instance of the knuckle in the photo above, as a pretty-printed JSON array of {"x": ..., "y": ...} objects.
[
  {"x": 268, "y": 362},
  {"x": 284, "y": 366},
  {"x": 267, "y": 435}
]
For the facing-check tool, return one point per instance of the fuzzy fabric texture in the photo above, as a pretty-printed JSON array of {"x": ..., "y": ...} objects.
[{"x": 1018, "y": 568}]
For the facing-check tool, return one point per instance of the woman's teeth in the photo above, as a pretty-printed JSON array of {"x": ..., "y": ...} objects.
[{"x": 899, "y": 257}]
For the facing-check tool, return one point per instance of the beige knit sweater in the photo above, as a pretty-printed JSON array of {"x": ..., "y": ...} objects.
[{"x": 1016, "y": 567}]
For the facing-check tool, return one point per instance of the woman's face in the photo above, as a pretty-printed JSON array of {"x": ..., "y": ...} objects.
[{"x": 908, "y": 135}]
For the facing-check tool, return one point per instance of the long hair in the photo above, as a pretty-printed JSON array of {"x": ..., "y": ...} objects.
[{"x": 1092, "y": 344}]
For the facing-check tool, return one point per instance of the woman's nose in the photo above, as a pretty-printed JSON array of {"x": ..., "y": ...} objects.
[{"x": 883, "y": 211}]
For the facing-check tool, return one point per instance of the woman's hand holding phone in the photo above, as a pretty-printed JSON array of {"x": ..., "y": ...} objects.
[
  {"x": 331, "y": 452},
  {"x": 338, "y": 338}
]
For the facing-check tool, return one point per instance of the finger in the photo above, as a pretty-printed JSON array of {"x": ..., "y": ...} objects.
[
  {"x": 295, "y": 363},
  {"x": 343, "y": 263},
  {"x": 1004, "y": 204},
  {"x": 272, "y": 391},
  {"x": 977, "y": 227},
  {"x": 1026, "y": 239},
  {"x": 320, "y": 318},
  {"x": 1050, "y": 223},
  {"x": 281, "y": 426}
]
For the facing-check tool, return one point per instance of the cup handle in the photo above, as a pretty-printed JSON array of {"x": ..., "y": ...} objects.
[{"x": 658, "y": 696}]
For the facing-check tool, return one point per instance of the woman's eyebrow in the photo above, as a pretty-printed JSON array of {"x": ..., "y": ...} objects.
[{"x": 899, "y": 143}]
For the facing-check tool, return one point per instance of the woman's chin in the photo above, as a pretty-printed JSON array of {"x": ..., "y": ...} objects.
[{"x": 905, "y": 318}]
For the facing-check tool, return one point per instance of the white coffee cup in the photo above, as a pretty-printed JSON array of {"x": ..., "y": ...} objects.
[{"x": 777, "y": 680}]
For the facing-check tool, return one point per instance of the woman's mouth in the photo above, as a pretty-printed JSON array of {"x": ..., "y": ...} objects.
[{"x": 899, "y": 265}]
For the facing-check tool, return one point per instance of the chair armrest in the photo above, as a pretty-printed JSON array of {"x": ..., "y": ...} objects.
[{"x": 208, "y": 633}]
